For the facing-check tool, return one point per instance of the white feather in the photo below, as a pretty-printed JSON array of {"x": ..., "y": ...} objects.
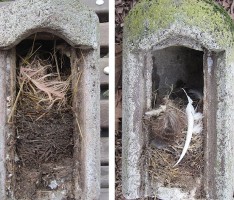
[
  {"x": 198, "y": 125},
  {"x": 197, "y": 129},
  {"x": 198, "y": 116},
  {"x": 190, "y": 112}
]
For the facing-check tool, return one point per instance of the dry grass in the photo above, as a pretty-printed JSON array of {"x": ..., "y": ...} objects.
[
  {"x": 161, "y": 162},
  {"x": 41, "y": 85},
  {"x": 44, "y": 88}
]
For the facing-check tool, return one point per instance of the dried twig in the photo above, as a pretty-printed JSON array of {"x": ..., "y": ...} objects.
[{"x": 16, "y": 101}]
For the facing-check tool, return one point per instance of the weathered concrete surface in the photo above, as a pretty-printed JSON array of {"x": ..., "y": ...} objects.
[
  {"x": 79, "y": 26},
  {"x": 87, "y": 108},
  {"x": 3, "y": 119},
  {"x": 70, "y": 20},
  {"x": 199, "y": 25},
  {"x": 178, "y": 19}
]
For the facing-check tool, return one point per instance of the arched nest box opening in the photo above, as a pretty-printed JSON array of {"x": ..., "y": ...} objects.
[
  {"x": 44, "y": 118},
  {"x": 174, "y": 69},
  {"x": 50, "y": 103},
  {"x": 174, "y": 106}
]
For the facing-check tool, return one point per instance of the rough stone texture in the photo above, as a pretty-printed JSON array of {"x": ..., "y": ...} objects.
[
  {"x": 70, "y": 20},
  {"x": 79, "y": 26},
  {"x": 199, "y": 25},
  {"x": 182, "y": 18},
  {"x": 87, "y": 107},
  {"x": 3, "y": 115}
]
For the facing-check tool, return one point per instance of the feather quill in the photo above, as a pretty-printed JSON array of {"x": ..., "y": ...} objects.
[{"x": 190, "y": 112}]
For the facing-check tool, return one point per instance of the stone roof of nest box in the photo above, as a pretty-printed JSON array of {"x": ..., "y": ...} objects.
[
  {"x": 153, "y": 22},
  {"x": 68, "y": 19}
]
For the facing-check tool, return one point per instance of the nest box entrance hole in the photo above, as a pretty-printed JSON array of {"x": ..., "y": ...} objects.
[
  {"x": 176, "y": 71},
  {"x": 44, "y": 117}
]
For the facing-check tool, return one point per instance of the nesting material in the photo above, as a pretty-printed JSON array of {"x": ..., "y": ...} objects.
[
  {"x": 166, "y": 122},
  {"x": 43, "y": 86},
  {"x": 44, "y": 125},
  {"x": 167, "y": 125},
  {"x": 43, "y": 112}
]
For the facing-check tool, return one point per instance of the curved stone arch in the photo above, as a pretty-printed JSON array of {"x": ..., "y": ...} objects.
[{"x": 66, "y": 19}]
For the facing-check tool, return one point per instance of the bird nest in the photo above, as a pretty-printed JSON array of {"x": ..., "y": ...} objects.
[
  {"x": 43, "y": 111},
  {"x": 167, "y": 127},
  {"x": 41, "y": 86}
]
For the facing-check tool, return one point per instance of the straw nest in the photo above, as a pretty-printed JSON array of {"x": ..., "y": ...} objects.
[
  {"x": 167, "y": 133},
  {"x": 43, "y": 110},
  {"x": 43, "y": 87}
]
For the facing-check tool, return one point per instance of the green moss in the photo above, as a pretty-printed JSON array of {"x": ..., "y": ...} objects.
[
  {"x": 154, "y": 15},
  {"x": 211, "y": 19},
  {"x": 148, "y": 16}
]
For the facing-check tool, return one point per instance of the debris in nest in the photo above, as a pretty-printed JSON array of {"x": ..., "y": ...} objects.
[
  {"x": 161, "y": 170},
  {"x": 43, "y": 117},
  {"x": 50, "y": 139},
  {"x": 167, "y": 127}
]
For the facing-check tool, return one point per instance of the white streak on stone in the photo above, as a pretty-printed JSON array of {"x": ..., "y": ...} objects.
[{"x": 209, "y": 64}]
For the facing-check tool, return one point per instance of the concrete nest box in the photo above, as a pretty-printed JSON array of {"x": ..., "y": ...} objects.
[
  {"x": 49, "y": 101},
  {"x": 170, "y": 45}
]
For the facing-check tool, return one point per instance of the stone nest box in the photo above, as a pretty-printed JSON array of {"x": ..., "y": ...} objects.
[
  {"x": 75, "y": 29},
  {"x": 167, "y": 42}
]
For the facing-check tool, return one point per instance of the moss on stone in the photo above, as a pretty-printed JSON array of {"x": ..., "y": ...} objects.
[{"x": 150, "y": 16}]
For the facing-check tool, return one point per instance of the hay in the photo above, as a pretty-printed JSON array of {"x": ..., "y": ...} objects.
[{"x": 44, "y": 89}]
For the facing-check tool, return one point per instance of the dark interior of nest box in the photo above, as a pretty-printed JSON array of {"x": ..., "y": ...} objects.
[
  {"x": 174, "y": 68},
  {"x": 180, "y": 67},
  {"x": 43, "y": 118}
]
